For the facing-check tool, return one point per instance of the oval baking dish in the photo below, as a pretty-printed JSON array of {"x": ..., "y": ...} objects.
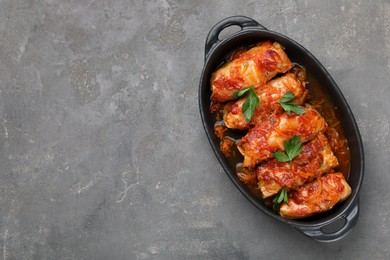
[{"x": 252, "y": 32}]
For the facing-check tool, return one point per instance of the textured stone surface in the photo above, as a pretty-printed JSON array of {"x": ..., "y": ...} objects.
[{"x": 102, "y": 150}]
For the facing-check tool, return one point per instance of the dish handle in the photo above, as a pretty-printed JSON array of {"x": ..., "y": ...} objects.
[
  {"x": 316, "y": 233},
  {"x": 242, "y": 21}
]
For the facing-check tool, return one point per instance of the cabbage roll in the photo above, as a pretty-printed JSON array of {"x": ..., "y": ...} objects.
[
  {"x": 269, "y": 136},
  {"x": 269, "y": 96},
  {"x": 315, "y": 159},
  {"x": 316, "y": 197},
  {"x": 254, "y": 67}
]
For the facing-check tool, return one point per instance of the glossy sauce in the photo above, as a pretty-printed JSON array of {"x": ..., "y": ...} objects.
[{"x": 319, "y": 100}]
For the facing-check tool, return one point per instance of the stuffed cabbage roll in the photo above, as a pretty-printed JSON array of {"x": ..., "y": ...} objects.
[
  {"x": 315, "y": 159},
  {"x": 269, "y": 96},
  {"x": 316, "y": 197},
  {"x": 254, "y": 67},
  {"x": 269, "y": 136}
]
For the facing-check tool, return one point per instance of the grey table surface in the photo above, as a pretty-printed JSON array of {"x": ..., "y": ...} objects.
[{"x": 102, "y": 150}]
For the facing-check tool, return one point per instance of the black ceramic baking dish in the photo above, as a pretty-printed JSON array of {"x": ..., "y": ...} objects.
[{"x": 252, "y": 32}]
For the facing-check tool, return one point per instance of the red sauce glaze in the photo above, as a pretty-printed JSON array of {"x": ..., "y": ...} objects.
[
  {"x": 309, "y": 159},
  {"x": 265, "y": 138},
  {"x": 223, "y": 83},
  {"x": 306, "y": 126},
  {"x": 317, "y": 196},
  {"x": 258, "y": 135},
  {"x": 297, "y": 198},
  {"x": 235, "y": 109},
  {"x": 340, "y": 148},
  {"x": 264, "y": 63},
  {"x": 269, "y": 61},
  {"x": 305, "y": 167}
]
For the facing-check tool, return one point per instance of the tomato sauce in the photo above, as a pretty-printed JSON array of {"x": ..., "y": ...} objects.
[{"x": 318, "y": 99}]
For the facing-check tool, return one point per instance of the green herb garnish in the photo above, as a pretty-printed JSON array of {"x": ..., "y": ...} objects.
[
  {"x": 278, "y": 198},
  {"x": 290, "y": 107},
  {"x": 238, "y": 94},
  {"x": 293, "y": 147},
  {"x": 251, "y": 103}
]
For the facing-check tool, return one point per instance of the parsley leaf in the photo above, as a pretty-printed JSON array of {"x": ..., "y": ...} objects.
[
  {"x": 293, "y": 147},
  {"x": 282, "y": 196},
  {"x": 251, "y": 102},
  {"x": 281, "y": 157},
  {"x": 293, "y": 108},
  {"x": 287, "y": 97},
  {"x": 238, "y": 94},
  {"x": 290, "y": 107}
]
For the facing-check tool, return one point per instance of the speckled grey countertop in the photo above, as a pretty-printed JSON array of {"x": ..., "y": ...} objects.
[{"x": 102, "y": 150}]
